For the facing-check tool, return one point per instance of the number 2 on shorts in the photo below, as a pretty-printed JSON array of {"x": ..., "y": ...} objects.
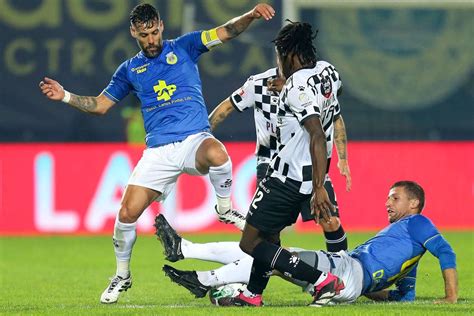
[{"x": 257, "y": 198}]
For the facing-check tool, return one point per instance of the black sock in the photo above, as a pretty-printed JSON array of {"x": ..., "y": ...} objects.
[
  {"x": 259, "y": 277},
  {"x": 282, "y": 260},
  {"x": 337, "y": 240}
]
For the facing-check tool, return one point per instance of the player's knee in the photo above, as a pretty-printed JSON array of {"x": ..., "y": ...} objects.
[
  {"x": 246, "y": 247},
  {"x": 126, "y": 215},
  {"x": 332, "y": 226},
  {"x": 217, "y": 156},
  {"x": 274, "y": 239}
]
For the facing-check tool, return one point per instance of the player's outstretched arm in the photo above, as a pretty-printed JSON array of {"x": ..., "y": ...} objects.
[
  {"x": 378, "y": 296},
  {"x": 94, "y": 105},
  {"x": 450, "y": 277},
  {"x": 239, "y": 24},
  {"x": 220, "y": 113},
  {"x": 340, "y": 140},
  {"x": 439, "y": 247},
  {"x": 320, "y": 203}
]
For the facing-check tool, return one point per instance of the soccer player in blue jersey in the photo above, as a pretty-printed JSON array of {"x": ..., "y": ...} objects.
[
  {"x": 164, "y": 77},
  {"x": 389, "y": 258}
]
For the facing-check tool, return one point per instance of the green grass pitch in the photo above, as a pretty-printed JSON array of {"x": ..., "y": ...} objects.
[{"x": 65, "y": 276}]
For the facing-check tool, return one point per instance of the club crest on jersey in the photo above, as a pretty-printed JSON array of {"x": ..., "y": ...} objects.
[
  {"x": 326, "y": 87},
  {"x": 171, "y": 58},
  {"x": 303, "y": 97}
]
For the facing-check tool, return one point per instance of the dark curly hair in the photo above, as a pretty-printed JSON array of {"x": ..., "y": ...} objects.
[
  {"x": 297, "y": 38},
  {"x": 144, "y": 14}
]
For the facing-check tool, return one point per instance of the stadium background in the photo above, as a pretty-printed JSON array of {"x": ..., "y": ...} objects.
[{"x": 408, "y": 99}]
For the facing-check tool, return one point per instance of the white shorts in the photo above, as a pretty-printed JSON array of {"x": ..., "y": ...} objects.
[
  {"x": 341, "y": 265},
  {"x": 160, "y": 167}
]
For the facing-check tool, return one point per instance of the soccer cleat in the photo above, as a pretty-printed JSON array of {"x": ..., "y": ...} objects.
[
  {"x": 187, "y": 279},
  {"x": 170, "y": 240},
  {"x": 231, "y": 217},
  {"x": 117, "y": 285},
  {"x": 326, "y": 290},
  {"x": 241, "y": 300}
]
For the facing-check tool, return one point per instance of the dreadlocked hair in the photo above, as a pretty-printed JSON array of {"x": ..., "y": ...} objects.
[
  {"x": 297, "y": 38},
  {"x": 144, "y": 14}
]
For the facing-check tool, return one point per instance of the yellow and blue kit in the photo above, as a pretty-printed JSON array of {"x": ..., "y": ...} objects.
[
  {"x": 392, "y": 256},
  {"x": 168, "y": 87}
]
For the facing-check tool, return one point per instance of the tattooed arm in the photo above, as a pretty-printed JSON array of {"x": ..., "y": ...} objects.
[
  {"x": 239, "y": 24},
  {"x": 94, "y": 105},
  {"x": 220, "y": 113},
  {"x": 340, "y": 140}
]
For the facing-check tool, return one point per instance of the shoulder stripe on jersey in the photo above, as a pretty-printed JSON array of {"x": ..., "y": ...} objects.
[{"x": 430, "y": 239}]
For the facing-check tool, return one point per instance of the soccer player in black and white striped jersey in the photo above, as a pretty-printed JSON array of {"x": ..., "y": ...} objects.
[
  {"x": 308, "y": 103},
  {"x": 261, "y": 92}
]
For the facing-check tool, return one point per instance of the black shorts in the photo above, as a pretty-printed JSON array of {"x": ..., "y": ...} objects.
[
  {"x": 306, "y": 205},
  {"x": 275, "y": 206}
]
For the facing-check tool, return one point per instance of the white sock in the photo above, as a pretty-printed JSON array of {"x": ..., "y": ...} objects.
[
  {"x": 247, "y": 293},
  {"x": 223, "y": 204},
  {"x": 234, "y": 272},
  {"x": 124, "y": 238},
  {"x": 123, "y": 268},
  {"x": 221, "y": 179},
  {"x": 222, "y": 252}
]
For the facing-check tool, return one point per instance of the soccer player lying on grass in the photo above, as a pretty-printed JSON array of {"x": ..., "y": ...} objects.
[{"x": 391, "y": 257}]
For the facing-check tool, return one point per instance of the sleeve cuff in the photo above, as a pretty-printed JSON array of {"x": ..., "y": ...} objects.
[{"x": 234, "y": 105}]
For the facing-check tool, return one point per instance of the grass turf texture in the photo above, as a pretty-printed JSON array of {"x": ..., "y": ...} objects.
[{"x": 66, "y": 275}]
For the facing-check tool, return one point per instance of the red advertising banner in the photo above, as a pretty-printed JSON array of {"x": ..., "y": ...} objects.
[{"x": 76, "y": 188}]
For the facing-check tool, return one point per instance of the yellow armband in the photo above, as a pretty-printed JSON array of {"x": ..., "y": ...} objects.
[{"x": 210, "y": 39}]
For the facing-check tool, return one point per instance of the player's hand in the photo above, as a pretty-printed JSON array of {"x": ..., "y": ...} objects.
[
  {"x": 52, "y": 89},
  {"x": 276, "y": 84},
  {"x": 343, "y": 166},
  {"x": 263, "y": 10},
  {"x": 321, "y": 206},
  {"x": 446, "y": 300}
]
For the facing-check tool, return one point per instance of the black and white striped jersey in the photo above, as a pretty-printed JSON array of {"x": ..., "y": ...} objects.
[
  {"x": 306, "y": 93},
  {"x": 254, "y": 94}
]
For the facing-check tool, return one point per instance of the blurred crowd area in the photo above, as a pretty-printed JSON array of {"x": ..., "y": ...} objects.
[{"x": 407, "y": 67}]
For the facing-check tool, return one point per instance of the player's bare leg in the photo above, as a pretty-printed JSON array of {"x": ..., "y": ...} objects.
[
  {"x": 212, "y": 158},
  {"x": 336, "y": 239},
  {"x": 135, "y": 200}
]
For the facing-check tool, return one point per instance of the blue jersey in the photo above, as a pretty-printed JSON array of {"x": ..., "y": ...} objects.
[
  {"x": 392, "y": 256},
  {"x": 168, "y": 87}
]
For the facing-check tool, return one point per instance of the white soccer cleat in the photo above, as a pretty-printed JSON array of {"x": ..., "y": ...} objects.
[
  {"x": 231, "y": 217},
  {"x": 117, "y": 285}
]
